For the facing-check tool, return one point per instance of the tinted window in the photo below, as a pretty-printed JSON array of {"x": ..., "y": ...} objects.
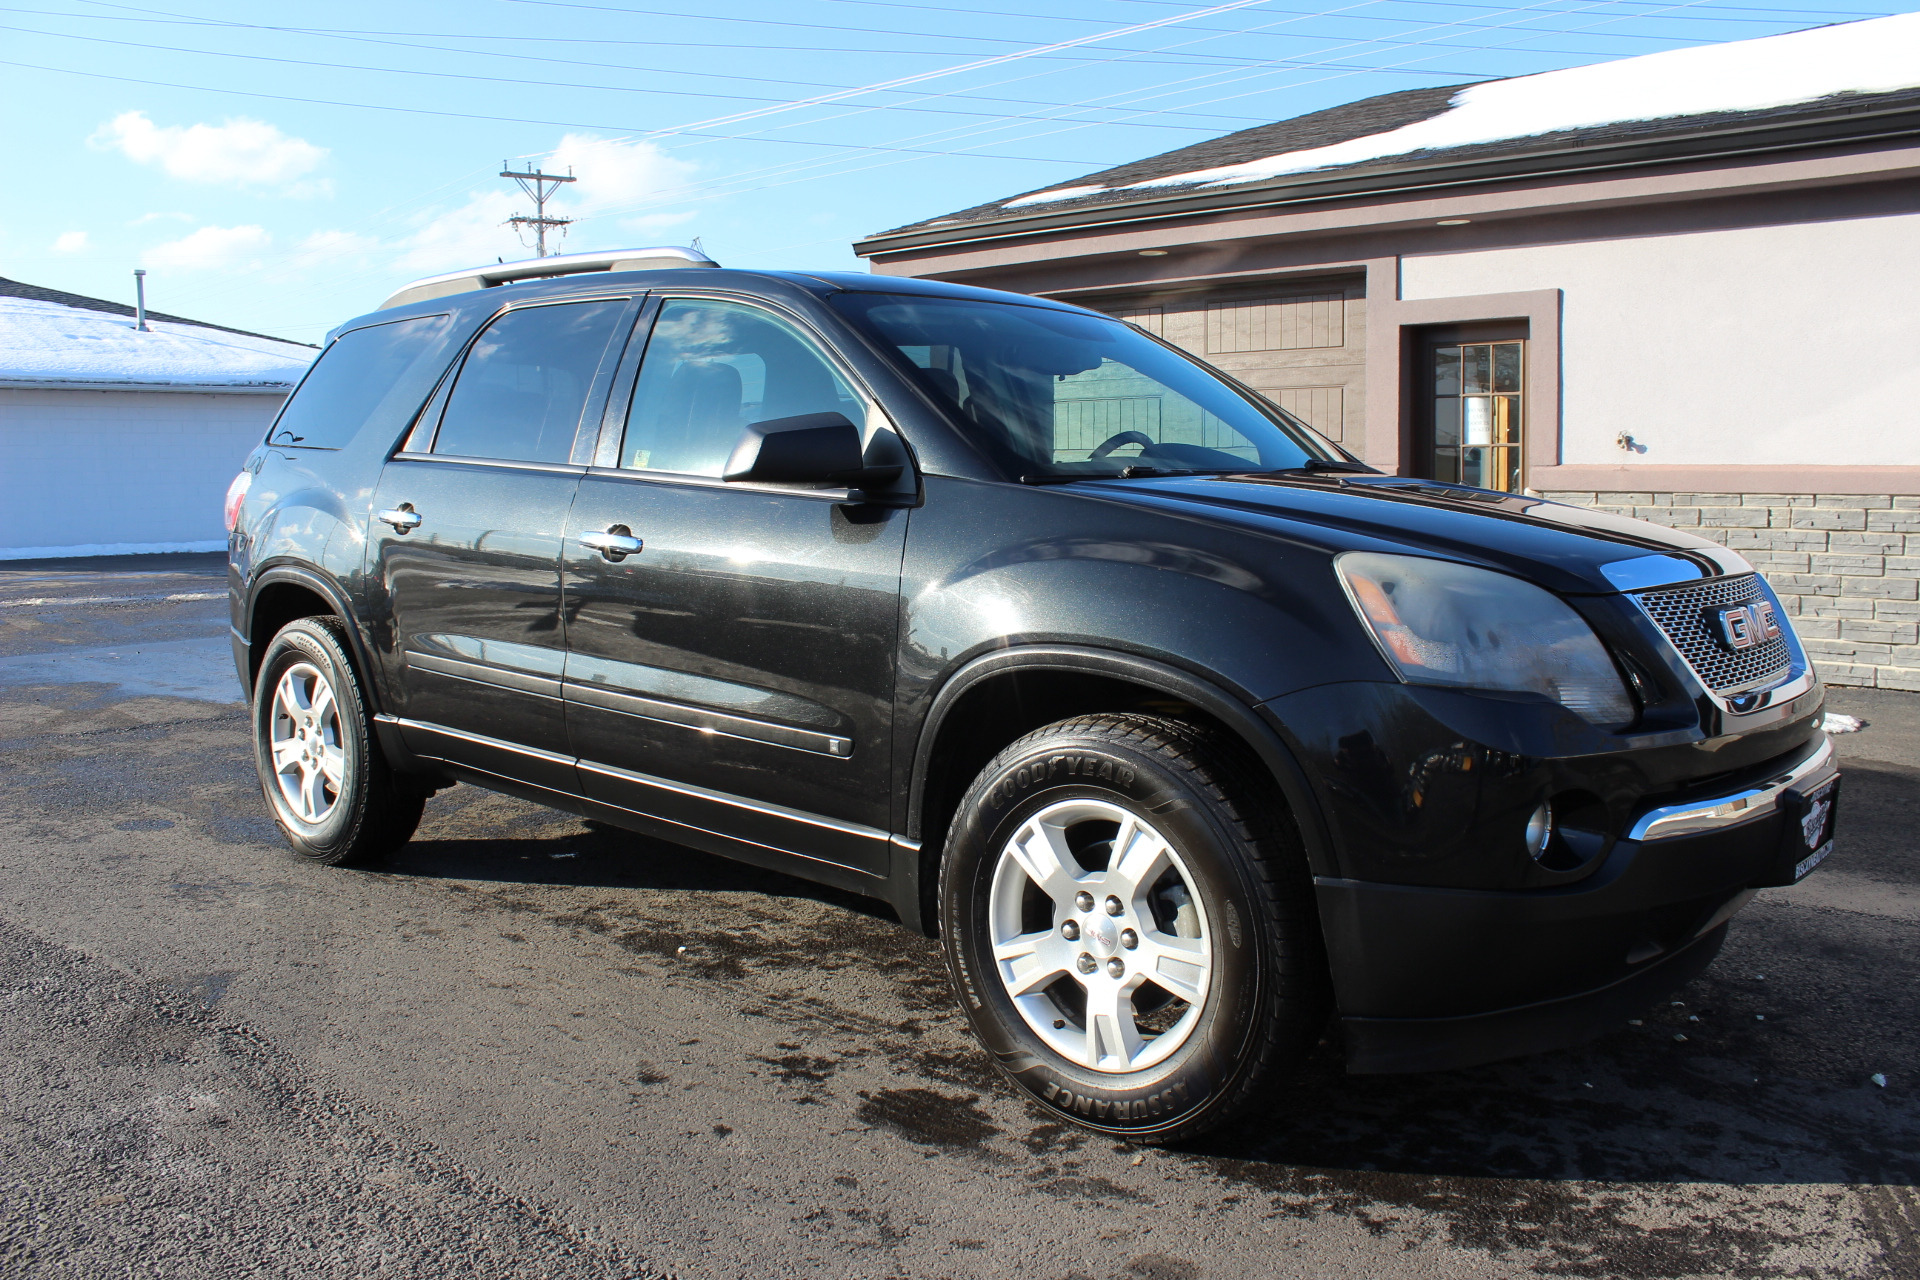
[
  {"x": 520, "y": 393},
  {"x": 713, "y": 367},
  {"x": 380, "y": 374},
  {"x": 1062, "y": 393}
]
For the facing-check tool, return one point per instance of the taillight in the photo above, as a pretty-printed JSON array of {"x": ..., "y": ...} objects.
[{"x": 236, "y": 493}]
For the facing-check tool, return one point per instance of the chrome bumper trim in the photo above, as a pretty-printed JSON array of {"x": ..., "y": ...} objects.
[{"x": 1670, "y": 821}]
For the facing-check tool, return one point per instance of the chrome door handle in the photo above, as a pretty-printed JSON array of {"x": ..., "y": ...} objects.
[
  {"x": 617, "y": 543},
  {"x": 402, "y": 517}
]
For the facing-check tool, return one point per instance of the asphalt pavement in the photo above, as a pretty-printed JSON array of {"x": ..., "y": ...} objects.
[{"x": 535, "y": 1046}]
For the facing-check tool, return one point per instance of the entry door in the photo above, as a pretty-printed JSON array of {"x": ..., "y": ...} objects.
[
  {"x": 1475, "y": 429},
  {"x": 735, "y": 674},
  {"x": 466, "y": 536}
]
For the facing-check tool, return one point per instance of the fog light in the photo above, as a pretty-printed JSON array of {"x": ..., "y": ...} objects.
[{"x": 1540, "y": 831}]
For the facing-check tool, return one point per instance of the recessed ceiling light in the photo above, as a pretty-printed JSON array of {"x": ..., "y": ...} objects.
[
  {"x": 1153, "y": 253},
  {"x": 1453, "y": 222}
]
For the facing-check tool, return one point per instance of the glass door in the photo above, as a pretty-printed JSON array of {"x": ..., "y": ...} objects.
[{"x": 1476, "y": 414}]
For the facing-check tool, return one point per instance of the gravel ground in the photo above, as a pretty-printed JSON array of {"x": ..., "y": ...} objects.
[{"x": 537, "y": 1046}]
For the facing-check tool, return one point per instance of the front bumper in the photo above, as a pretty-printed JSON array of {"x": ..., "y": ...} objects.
[{"x": 1431, "y": 978}]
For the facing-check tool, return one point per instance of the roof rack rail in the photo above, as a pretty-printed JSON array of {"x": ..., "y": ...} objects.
[{"x": 658, "y": 258}]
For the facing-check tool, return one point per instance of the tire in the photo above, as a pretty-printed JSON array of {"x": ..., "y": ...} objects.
[
  {"x": 1183, "y": 1011},
  {"x": 331, "y": 790}
]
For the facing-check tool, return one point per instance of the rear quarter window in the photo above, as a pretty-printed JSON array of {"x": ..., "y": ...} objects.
[{"x": 377, "y": 375}]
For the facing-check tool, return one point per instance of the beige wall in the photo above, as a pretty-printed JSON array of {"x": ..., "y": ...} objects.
[{"x": 1781, "y": 345}]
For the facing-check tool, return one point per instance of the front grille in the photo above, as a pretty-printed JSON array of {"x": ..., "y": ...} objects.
[{"x": 1681, "y": 613}]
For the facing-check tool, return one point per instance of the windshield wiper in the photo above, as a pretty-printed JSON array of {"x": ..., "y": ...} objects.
[
  {"x": 1335, "y": 464},
  {"x": 1125, "y": 473}
]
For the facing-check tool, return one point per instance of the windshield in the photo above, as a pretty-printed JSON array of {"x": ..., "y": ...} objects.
[{"x": 1059, "y": 394}]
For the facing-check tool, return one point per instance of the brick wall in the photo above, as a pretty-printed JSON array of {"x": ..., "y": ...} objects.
[{"x": 1846, "y": 568}]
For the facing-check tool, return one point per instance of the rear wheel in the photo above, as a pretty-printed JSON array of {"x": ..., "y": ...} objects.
[
  {"x": 1127, "y": 915},
  {"x": 331, "y": 790}
]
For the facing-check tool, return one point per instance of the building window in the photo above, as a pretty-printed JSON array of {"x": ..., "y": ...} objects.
[{"x": 1476, "y": 414}]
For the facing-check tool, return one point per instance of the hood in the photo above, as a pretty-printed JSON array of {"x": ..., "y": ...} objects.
[{"x": 1567, "y": 549}]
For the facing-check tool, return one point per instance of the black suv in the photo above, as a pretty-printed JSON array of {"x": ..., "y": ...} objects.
[{"x": 1189, "y": 734}]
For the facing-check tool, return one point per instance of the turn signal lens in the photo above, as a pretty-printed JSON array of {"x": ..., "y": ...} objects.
[
  {"x": 1444, "y": 623},
  {"x": 236, "y": 493}
]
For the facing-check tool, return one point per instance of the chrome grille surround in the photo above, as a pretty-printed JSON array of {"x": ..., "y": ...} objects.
[{"x": 1681, "y": 614}]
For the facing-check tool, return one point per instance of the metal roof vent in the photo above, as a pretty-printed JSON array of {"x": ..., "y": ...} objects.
[{"x": 656, "y": 258}]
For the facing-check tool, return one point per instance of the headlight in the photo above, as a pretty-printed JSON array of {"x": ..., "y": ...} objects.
[{"x": 1450, "y": 624}]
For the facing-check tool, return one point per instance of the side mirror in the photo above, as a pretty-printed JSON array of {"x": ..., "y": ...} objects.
[{"x": 813, "y": 448}]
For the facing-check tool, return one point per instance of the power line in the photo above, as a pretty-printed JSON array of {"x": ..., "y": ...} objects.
[{"x": 466, "y": 115}]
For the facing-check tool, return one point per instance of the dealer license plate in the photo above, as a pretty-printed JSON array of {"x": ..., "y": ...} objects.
[{"x": 1816, "y": 829}]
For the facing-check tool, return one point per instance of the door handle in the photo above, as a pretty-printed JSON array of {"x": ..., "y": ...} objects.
[
  {"x": 617, "y": 543},
  {"x": 403, "y": 517}
]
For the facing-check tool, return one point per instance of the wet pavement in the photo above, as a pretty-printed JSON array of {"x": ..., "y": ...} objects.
[{"x": 538, "y": 1046}]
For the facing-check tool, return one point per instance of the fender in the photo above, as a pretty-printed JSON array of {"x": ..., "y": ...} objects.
[
  {"x": 334, "y": 594},
  {"x": 912, "y": 863}
]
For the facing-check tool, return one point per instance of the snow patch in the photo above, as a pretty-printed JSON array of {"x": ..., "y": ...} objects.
[
  {"x": 50, "y": 341},
  {"x": 1048, "y": 197},
  {"x": 1879, "y": 55}
]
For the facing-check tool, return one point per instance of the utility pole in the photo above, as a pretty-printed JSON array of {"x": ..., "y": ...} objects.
[
  {"x": 536, "y": 186},
  {"x": 140, "y": 298}
]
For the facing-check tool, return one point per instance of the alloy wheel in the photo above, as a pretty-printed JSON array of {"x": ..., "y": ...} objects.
[
  {"x": 1099, "y": 936},
  {"x": 309, "y": 762}
]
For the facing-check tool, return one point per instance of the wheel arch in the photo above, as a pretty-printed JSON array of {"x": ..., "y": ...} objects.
[
  {"x": 283, "y": 593},
  {"x": 996, "y": 697}
]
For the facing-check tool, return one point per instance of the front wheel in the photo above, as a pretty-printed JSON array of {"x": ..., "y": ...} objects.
[
  {"x": 1126, "y": 913},
  {"x": 330, "y": 788}
]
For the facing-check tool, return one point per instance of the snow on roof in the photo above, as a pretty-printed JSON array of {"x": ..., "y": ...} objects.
[
  {"x": 53, "y": 344},
  {"x": 1879, "y": 55}
]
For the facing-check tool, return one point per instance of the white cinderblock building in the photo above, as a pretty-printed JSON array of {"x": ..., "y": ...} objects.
[{"x": 114, "y": 439}]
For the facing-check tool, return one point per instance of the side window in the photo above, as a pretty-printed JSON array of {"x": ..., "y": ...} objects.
[
  {"x": 520, "y": 393},
  {"x": 377, "y": 375},
  {"x": 713, "y": 367}
]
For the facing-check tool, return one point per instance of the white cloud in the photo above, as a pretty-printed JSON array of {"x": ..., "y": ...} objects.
[
  {"x": 237, "y": 153},
  {"x": 71, "y": 242},
  {"x": 145, "y": 218},
  {"x": 615, "y": 177},
  {"x": 211, "y": 248}
]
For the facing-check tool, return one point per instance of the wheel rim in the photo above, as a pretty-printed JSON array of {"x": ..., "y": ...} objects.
[
  {"x": 1109, "y": 991},
  {"x": 303, "y": 733}
]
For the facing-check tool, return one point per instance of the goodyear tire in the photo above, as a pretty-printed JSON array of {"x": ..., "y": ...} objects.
[{"x": 1127, "y": 916}]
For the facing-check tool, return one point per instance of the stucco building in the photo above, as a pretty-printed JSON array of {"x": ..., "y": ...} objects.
[
  {"x": 115, "y": 439},
  {"x": 1684, "y": 286}
]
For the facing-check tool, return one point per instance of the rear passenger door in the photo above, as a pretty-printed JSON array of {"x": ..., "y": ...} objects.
[{"x": 464, "y": 546}]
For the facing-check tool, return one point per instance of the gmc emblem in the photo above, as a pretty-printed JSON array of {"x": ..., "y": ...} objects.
[{"x": 1742, "y": 626}]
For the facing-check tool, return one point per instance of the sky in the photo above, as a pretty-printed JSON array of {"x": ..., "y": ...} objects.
[{"x": 282, "y": 168}]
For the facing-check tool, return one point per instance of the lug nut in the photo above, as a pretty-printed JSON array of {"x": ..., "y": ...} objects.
[
  {"x": 1129, "y": 939},
  {"x": 1070, "y": 930},
  {"x": 1116, "y": 968},
  {"x": 1086, "y": 963},
  {"x": 1113, "y": 906},
  {"x": 1083, "y": 900}
]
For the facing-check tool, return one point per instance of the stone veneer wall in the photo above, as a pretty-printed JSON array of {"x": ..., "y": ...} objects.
[{"x": 1845, "y": 566}]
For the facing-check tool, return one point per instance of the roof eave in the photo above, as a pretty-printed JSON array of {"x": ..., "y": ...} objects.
[
  {"x": 108, "y": 384},
  {"x": 1855, "y": 127}
]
